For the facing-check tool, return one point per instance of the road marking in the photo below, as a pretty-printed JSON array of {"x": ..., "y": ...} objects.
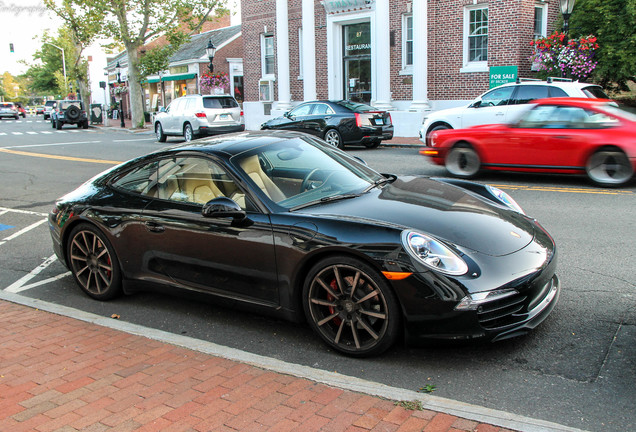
[
  {"x": 68, "y": 158},
  {"x": 133, "y": 140},
  {"x": 46, "y": 132},
  {"x": 18, "y": 285},
  {"x": 3, "y": 133},
  {"x": 565, "y": 189},
  {"x": 51, "y": 144},
  {"x": 4, "y": 210},
  {"x": 32, "y": 133},
  {"x": 16, "y": 133},
  {"x": 22, "y": 231},
  {"x": 60, "y": 132}
]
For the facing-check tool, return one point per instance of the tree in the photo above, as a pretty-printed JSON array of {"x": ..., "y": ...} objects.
[
  {"x": 613, "y": 22},
  {"x": 135, "y": 23}
]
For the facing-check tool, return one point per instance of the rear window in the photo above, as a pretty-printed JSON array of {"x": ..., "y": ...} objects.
[
  {"x": 356, "y": 107},
  {"x": 66, "y": 104},
  {"x": 219, "y": 102},
  {"x": 595, "y": 92},
  {"x": 6, "y": 105},
  {"x": 50, "y": 103}
]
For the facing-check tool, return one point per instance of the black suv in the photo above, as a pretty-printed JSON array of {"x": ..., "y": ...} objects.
[{"x": 69, "y": 112}]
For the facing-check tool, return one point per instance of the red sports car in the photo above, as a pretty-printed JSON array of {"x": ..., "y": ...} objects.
[{"x": 557, "y": 135}]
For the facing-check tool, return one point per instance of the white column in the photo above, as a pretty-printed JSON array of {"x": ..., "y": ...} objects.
[
  {"x": 420, "y": 57},
  {"x": 282, "y": 55},
  {"x": 309, "y": 50},
  {"x": 381, "y": 56}
]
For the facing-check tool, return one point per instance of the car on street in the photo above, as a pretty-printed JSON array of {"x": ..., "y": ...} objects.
[
  {"x": 339, "y": 123},
  {"x": 49, "y": 107},
  {"x": 70, "y": 111},
  {"x": 284, "y": 224},
  {"x": 194, "y": 116},
  {"x": 9, "y": 110},
  {"x": 504, "y": 103},
  {"x": 39, "y": 109},
  {"x": 558, "y": 135}
]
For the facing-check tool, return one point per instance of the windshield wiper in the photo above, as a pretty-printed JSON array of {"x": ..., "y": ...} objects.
[
  {"x": 325, "y": 200},
  {"x": 379, "y": 182}
]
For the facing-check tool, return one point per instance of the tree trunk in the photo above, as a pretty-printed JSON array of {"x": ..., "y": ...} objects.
[{"x": 135, "y": 90}]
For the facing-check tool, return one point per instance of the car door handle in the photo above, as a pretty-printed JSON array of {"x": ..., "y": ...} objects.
[
  {"x": 155, "y": 227},
  {"x": 562, "y": 136}
]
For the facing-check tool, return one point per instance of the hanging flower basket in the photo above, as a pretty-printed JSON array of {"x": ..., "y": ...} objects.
[
  {"x": 573, "y": 58},
  {"x": 118, "y": 89},
  {"x": 215, "y": 83}
]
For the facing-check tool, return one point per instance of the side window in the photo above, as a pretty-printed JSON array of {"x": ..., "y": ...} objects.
[
  {"x": 497, "y": 97},
  {"x": 322, "y": 109},
  {"x": 191, "y": 104},
  {"x": 527, "y": 93},
  {"x": 139, "y": 180},
  {"x": 557, "y": 92},
  {"x": 302, "y": 110}
]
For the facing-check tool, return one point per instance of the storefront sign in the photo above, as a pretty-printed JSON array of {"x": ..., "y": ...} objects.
[
  {"x": 502, "y": 74},
  {"x": 338, "y": 6}
]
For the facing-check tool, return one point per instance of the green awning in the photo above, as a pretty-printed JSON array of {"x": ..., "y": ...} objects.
[
  {"x": 150, "y": 81},
  {"x": 178, "y": 77}
]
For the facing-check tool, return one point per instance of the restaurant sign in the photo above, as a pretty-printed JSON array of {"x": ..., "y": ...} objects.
[{"x": 338, "y": 6}]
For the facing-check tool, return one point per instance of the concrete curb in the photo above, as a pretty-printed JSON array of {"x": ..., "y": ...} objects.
[{"x": 334, "y": 379}]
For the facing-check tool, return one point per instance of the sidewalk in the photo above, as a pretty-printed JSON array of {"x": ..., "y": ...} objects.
[{"x": 64, "y": 374}]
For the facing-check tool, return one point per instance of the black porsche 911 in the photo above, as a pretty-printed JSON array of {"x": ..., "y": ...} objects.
[
  {"x": 288, "y": 225},
  {"x": 339, "y": 123}
]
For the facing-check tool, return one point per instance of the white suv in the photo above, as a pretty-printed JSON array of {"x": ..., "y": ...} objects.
[
  {"x": 504, "y": 103},
  {"x": 196, "y": 115}
]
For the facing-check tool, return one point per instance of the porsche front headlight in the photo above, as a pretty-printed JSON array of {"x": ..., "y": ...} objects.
[{"x": 433, "y": 253}]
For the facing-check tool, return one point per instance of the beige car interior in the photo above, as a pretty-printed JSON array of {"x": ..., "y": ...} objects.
[{"x": 252, "y": 168}]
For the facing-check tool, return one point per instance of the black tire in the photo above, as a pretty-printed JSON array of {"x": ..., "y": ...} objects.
[
  {"x": 433, "y": 129},
  {"x": 52, "y": 124},
  {"x": 73, "y": 113},
  {"x": 188, "y": 135},
  {"x": 161, "y": 137},
  {"x": 333, "y": 137},
  {"x": 372, "y": 144},
  {"x": 609, "y": 167},
  {"x": 93, "y": 262},
  {"x": 85, "y": 124},
  {"x": 463, "y": 161},
  {"x": 58, "y": 124},
  {"x": 351, "y": 307}
]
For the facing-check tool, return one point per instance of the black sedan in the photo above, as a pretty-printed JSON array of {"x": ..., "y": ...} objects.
[
  {"x": 337, "y": 122},
  {"x": 287, "y": 225}
]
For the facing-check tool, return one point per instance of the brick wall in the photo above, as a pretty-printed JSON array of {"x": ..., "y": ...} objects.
[{"x": 256, "y": 15}]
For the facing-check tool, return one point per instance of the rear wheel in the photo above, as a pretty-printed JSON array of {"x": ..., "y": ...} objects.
[
  {"x": 161, "y": 137},
  {"x": 332, "y": 136},
  {"x": 351, "y": 306},
  {"x": 372, "y": 144},
  {"x": 85, "y": 124},
  {"x": 609, "y": 168},
  {"x": 58, "y": 124},
  {"x": 463, "y": 161},
  {"x": 93, "y": 262}
]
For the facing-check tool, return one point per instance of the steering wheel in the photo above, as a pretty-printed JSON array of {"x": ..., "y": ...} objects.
[{"x": 304, "y": 186}]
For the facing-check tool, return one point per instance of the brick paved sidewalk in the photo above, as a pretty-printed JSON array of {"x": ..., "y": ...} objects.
[{"x": 62, "y": 374}]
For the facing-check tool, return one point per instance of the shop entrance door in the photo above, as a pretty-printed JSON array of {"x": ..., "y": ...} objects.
[{"x": 357, "y": 62}]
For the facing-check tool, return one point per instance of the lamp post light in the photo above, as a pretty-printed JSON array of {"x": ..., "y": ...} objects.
[
  {"x": 210, "y": 51},
  {"x": 566, "y": 11},
  {"x": 121, "y": 97},
  {"x": 63, "y": 63}
]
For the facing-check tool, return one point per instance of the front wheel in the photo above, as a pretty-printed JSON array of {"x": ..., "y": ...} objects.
[
  {"x": 161, "y": 137},
  {"x": 187, "y": 132},
  {"x": 609, "y": 168},
  {"x": 93, "y": 262},
  {"x": 351, "y": 307},
  {"x": 332, "y": 136},
  {"x": 463, "y": 161}
]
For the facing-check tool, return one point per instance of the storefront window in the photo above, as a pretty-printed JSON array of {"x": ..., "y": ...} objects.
[{"x": 357, "y": 62}]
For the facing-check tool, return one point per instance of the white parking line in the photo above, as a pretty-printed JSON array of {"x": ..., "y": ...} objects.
[
  {"x": 17, "y": 133},
  {"x": 32, "y": 133},
  {"x": 22, "y": 231},
  {"x": 5, "y": 210},
  {"x": 135, "y": 140},
  {"x": 3, "y": 133},
  {"x": 19, "y": 285}
]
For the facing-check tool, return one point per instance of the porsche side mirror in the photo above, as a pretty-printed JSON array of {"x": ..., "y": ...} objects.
[{"x": 223, "y": 207}]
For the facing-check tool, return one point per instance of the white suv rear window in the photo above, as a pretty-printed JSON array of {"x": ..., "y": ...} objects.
[{"x": 219, "y": 102}]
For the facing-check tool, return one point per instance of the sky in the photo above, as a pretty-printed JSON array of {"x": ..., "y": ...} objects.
[{"x": 20, "y": 22}]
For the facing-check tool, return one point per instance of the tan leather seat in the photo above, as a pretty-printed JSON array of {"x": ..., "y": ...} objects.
[
  {"x": 200, "y": 190},
  {"x": 252, "y": 168}
]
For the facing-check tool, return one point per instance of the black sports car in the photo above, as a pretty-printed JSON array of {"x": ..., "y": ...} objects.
[
  {"x": 291, "y": 226},
  {"x": 337, "y": 122}
]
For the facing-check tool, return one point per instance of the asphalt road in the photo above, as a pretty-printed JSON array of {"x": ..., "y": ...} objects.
[{"x": 578, "y": 368}]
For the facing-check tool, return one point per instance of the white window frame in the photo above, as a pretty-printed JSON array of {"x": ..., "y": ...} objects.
[
  {"x": 265, "y": 75},
  {"x": 544, "y": 20},
  {"x": 300, "y": 53},
  {"x": 472, "y": 66},
  {"x": 407, "y": 69}
]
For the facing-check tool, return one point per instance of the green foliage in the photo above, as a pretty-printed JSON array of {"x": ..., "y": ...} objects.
[
  {"x": 414, "y": 405},
  {"x": 156, "y": 59},
  {"x": 613, "y": 22},
  {"x": 428, "y": 388}
]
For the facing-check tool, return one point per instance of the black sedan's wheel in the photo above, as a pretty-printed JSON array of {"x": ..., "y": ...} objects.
[
  {"x": 332, "y": 136},
  {"x": 372, "y": 144},
  {"x": 351, "y": 307},
  {"x": 161, "y": 137},
  {"x": 187, "y": 132},
  {"x": 463, "y": 161},
  {"x": 609, "y": 167},
  {"x": 93, "y": 263}
]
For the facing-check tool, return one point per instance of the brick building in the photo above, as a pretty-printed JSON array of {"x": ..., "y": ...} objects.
[{"x": 408, "y": 56}]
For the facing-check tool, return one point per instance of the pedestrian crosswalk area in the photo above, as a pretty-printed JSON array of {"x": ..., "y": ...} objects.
[{"x": 62, "y": 131}]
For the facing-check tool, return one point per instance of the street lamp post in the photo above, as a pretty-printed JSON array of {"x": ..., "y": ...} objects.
[
  {"x": 566, "y": 11},
  {"x": 63, "y": 64},
  {"x": 121, "y": 97},
  {"x": 210, "y": 51}
]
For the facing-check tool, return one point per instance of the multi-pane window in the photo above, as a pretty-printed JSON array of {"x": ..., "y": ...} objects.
[
  {"x": 268, "y": 54},
  {"x": 540, "y": 21},
  {"x": 478, "y": 35},
  {"x": 407, "y": 32}
]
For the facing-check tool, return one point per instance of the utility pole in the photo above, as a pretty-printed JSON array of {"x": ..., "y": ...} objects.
[{"x": 63, "y": 65}]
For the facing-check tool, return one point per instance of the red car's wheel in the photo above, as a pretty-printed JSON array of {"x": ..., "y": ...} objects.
[
  {"x": 609, "y": 167},
  {"x": 463, "y": 161}
]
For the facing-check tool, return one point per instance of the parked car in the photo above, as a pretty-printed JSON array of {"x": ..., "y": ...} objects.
[
  {"x": 39, "y": 109},
  {"x": 338, "y": 122},
  {"x": 49, "y": 107},
  {"x": 286, "y": 225},
  {"x": 198, "y": 115},
  {"x": 562, "y": 135},
  {"x": 9, "y": 110},
  {"x": 504, "y": 103},
  {"x": 69, "y": 112}
]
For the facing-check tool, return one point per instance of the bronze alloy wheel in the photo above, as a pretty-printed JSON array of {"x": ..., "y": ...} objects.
[
  {"x": 350, "y": 307},
  {"x": 93, "y": 263}
]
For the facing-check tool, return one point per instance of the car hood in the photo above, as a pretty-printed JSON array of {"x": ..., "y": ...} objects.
[{"x": 444, "y": 211}]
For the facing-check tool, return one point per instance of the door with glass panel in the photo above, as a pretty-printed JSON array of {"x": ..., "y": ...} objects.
[{"x": 357, "y": 62}]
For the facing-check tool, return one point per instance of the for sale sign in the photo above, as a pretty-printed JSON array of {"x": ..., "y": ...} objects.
[{"x": 502, "y": 74}]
